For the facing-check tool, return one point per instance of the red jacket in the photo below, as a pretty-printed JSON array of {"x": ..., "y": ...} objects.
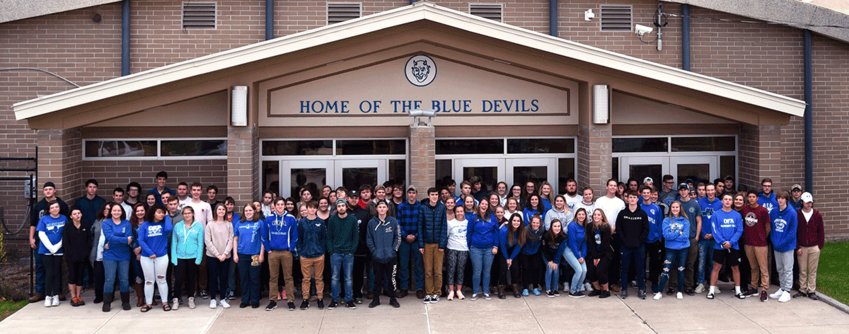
[
  {"x": 810, "y": 233},
  {"x": 755, "y": 225}
]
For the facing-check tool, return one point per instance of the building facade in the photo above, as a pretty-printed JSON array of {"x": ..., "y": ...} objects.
[{"x": 520, "y": 90}]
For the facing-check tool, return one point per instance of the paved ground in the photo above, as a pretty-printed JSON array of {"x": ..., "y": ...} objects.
[{"x": 525, "y": 315}]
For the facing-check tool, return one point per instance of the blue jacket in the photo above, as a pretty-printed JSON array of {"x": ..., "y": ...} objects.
[
  {"x": 408, "y": 216},
  {"x": 655, "y": 215},
  {"x": 249, "y": 234},
  {"x": 432, "y": 225},
  {"x": 532, "y": 247},
  {"x": 546, "y": 204},
  {"x": 187, "y": 243},
  {"x": 553, "y": 250},
  {"x": 280, "y": 233},
  {"x": 676, "y": 232},
  {"x": 54, "y": 229},
  {"x": 726, "y": 226},
  {"x": 770, "y": 203},
  {"x": 383, "y": 239},
  {"x": 708, "y": 208},
  {"x": 312, "y": 237},
  {"x": 783, "y": 232},
  {"x": 577, "y": 240},
  {"x": 482, "y": 233},
  {"x": 528, "y": 213},
  {"x": 509, "y": 252},
  {"x": 89, "y": 208},
  {"x": 153, "y": 238},
  {"x": 116, "y": 237}
]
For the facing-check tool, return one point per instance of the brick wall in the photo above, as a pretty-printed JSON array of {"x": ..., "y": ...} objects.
[{"x": 112, "y": 174}]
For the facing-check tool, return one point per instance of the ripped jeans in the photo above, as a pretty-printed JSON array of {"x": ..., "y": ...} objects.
[
  {"x": 154, "y": 272},
  {"x": 675, "y": 258}
]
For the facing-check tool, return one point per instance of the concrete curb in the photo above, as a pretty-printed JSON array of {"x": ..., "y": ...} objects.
[{"x": 833, "y": 302}]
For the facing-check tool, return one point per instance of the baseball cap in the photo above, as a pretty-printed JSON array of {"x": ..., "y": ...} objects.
[
  {"x": 683, "y": 185},
  {"x": 807, "y": 197},
  {"x": 796, "y": 186},
  {"x": 648, "y": 180},
  {"x": 353, "y": 193},
  {"x": 49, "y": 184},
  {"x": 412, "y": 188}
]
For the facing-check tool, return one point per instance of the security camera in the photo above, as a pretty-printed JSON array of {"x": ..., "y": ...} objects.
[
  {"x": 640, "y": 29},
  {"x": 419, "y": 112}
]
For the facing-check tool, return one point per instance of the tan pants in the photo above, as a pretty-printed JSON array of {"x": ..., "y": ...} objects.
[
  {"x": 433, "y": 269},
  {"x": 809, "y": 260},
  {"x": 759, "y": 262},
  {"x": 308, "y": 265},
  {"x": 276, "y": 259}
]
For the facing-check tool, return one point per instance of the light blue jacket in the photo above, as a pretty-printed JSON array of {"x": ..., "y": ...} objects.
[{"x": 187, "y": 243}]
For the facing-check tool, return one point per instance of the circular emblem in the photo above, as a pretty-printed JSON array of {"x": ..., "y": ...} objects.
[{"x": 420, "y": 70}]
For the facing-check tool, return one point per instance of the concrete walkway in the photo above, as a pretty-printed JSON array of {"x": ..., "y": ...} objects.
[{"x": 525, "y": 315}]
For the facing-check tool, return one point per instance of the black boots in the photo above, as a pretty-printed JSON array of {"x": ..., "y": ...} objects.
[
  {"x": 125, "y": 301},
  {"x": 500, "y": 291},
  {"x": 107, "y": 302}
]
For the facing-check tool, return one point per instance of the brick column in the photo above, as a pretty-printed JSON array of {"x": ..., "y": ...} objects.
[
  {"x": 60, "y": 161},
  {"x": 242, "y": 164},
  {"x": 422, "y": 157},
  {"x": 759, "y": 152},
  {"x": 595, "y": 146}
]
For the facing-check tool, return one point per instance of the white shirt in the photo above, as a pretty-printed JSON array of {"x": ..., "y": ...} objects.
[
  {"x": 572, "y": 204},
  {"x": 588, "y": 207},
  {"x": 203, "y": 212},
  {"x": 611, "y": 207},
  {"x": 457, "y": 235}
]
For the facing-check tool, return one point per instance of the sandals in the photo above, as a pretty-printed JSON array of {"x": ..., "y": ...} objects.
[
  {"x": 145, "y": 308},
  {"x": 166, "y": 307}
]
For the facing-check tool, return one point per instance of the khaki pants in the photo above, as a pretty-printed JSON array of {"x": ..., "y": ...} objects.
[
  {"x": 275, "y": 260},
  {"x": 308, "y": 266},
  {"x": 809, "y": 260},
  {"x": 433, "y": 269},
  {"x": 759, "y": 262}
]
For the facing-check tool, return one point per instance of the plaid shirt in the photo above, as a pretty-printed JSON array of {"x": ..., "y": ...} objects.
[{"x": 408, "y": 217}]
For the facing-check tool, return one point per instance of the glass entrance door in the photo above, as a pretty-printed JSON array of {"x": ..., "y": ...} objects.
[
  {"x": 641, "y": 167},
  {"x": 490, "y": 171},
  {"x": 520, "y": 171},
  {"x": 353, "y": 173},
  {"x": 681, "y": 167},
  {"x": 298, "y": 173},
  {"x": 694, "y": 168}
]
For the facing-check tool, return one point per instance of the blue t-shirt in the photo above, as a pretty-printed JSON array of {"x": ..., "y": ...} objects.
[
  {"x": 249, "y": 233},
  {"x": 153, "y": 238},
  {"x": 708, "y": 208},
  {"x": 693, "y": 210},
  {"x": 53, "y": 228}
]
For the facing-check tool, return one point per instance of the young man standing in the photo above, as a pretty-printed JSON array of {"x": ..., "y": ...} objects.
[
  {"x": 755, "y": 232},
  {"x": 380, "y": 196},
  {"x": 365, "y": 197},
  {"x": 432, "y": 239},
  {"x": 709, "y": 204},
  {"x": 408, "y": 215},
  {"x": 383, "y": 240},
  {"x": 203, "y": 212},
  {"x": 611, "y": 206},
  {"x": 41, "y": 209},
  {"x": 161, "y": 187},
  {"x": 666, "y": 190},
  {"x": 654, "y": 242},
  {"x": 211, "y": 194},
  {"x": 279, "y": 237},
  {"x": 183, "y": 195},
  {"x": 133, "y": 191},
  {"x": 727, "y": 226},
  {"x": 572, "y": 197},
  {"x": 811, "y": 239},
  {"x": 173, "y": 207},
  {"x": 90, "y": 204},
  {"x": 312, "y": 241},
  {"x": 361, "y": 253},
  {"x": 342, "y": 239},
  {"x": 633, "y": 231},
  {"x": 118, "y": 197},
  {"x": 766, "y": 198},
  {"x": 694, "y": 213}
]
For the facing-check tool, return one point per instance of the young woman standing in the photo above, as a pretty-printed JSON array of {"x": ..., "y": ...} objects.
[
  {"x": 77, "y": 243},
  {"x": 576, "y": 253},
  {"x": 559, "y": 212},
  {"x": 516, "y": 193},
  {"x": 532, "y": 263},
  {"x": 534, "y": 208},
  {"x": 676, "y": 238},
  {"x": 546, "y": 195},
  {"x": 153, "y": 240},
  {"x": 249, "y": 255},
  {"x": 600, "y": 253},
  {"x": 554, "y": 243},
  {"x": 218, "y": 238},
  {"x": 186, "y": 255},
  {"x": 512, "y": 207},
  {"x": 458, "y": 251},
  {"x": 50, "y": 232},
  {"x": 136, "y": 274},
  {"x": 511, "y": 238},
  {"x": 118, "y": 240},
  {"x": 482, "y": 238}
]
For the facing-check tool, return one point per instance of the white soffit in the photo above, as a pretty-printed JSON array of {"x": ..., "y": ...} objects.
[{"x": 420, "y": 11}]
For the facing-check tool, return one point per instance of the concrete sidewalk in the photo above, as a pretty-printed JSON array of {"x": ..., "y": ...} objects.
[{"x": 524, "y": 315}]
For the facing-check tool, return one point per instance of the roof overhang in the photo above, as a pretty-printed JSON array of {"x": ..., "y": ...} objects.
[{"x": 421, "y": 11}]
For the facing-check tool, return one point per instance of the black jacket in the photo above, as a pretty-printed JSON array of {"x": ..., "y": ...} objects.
[{"x": 632, "y": 227}]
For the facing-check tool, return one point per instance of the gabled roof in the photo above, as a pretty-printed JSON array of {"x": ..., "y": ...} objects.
[{"x": 420, "y": 11}]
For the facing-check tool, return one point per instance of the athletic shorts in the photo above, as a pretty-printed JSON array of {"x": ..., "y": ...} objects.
[{"x": 726, "y": 256}]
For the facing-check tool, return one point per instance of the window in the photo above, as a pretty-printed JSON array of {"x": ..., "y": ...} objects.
[
  {"x": 199, "y": 15},
  {"x": 541, "y": 145},
  {"x": 469, "y": 146},
  {"x": 343, "y": 11},
  {"x": 616, "y": 17},
  {"x": 703, "y": 144},
  {"x": 154, "y": 149},
  {"x": 492, "y": 11},
  {"x": 628, "y": 145}
]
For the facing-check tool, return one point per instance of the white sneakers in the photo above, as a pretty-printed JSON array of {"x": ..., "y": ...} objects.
[
  {"x": 55, "y": 300},
  {"x": 700, "y": 288},
  {"x": 224, "y": 303},
  {"x": 212, "y": 303},
  {"x": 679, "y": 295},
  {"x": 175, "y": 304},
  {"x": 460, "y": 295},
  {"x": 658, "y": 296},
  {"x": 776, "y": 294},
  {"x": 451, "y": 295},
  {"x": 191, "y": 302},
  {"x": 48, "y": 301},
  {"x": 785, "y": 297}
]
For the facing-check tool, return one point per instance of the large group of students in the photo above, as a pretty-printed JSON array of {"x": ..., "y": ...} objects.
[{"x": 172, "y": 246}]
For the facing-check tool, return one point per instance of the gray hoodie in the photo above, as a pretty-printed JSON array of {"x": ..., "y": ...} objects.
[{"x": 383, "y": 239}]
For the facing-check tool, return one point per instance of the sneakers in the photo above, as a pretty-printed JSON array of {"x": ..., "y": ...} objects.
[
  {"x": 351, "y": 305},
  {"x": 679, "y": 295},
  {"x": 710, "y": 295},
  {"x": 271, "y": 305},
  {"x": 192, "y": 303},
  {"x": 291, "y": 306},
  {"x": 576, "y": 294},
  {"x": 426, "y": 299},
  {"x": 549, "y": 294},
  {"x": 48, "y": 301},
  {"x": 333, "y": 305},
  {"x": 800, "y": 294},
  {"x": 604, "y": 294},
  {"x": 813, "y": 296},
  {"x": 231, "y": 295},
  {"x": 474, "y": 296},
  {"x": 785, "y": 297},
  {"x": 740, "y": 295},
  {"x": 175, "y": 304},
  {"x": 243, "y": 305},
  {"x": 306, "y": 304},
  {"x": 394, "y": 303},
  {"x": 763, "y": 296},
  {"x": 537, "y": 292},
  {"x": 623, "y": 293},
  {"x": 525, "y": 292},
  {"x": 700, "y": 288},
  {"x": 557, "y": 292},
  {"x": 750, "y": 292},
  {"x": 594, "y": 293},
  {"x": 213, "y": 304},
  {"x": 658, "y": 296},
  {"x": 224, "y": 303},
  {"x": 450, "y": 295},
  {"x": 320, "y": 304},
  {"x": 587, "y": 287},
  {"x": 374, "y": 303},
  {"x": 460, "y": 295},
  {"x": 642, "y": 294},
  {"x": 486, "y": 296},
  {"x": 717, "y": 291},
  {"x": 434, "y": 299},
  {"x": 776, "y": 294},
  {"x": 203, "y": 294}
]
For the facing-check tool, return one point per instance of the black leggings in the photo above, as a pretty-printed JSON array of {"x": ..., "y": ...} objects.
[
  {"x": 75, "y": 271},
  {"x": 185, "y": 274},
  {"x": 52, "y": 274},
  {"x": 99, "y": 278},
  {"x": 598, "y": 273},
  {"x": 532, "y": 270},
  {"x": 509, "y": 276}
]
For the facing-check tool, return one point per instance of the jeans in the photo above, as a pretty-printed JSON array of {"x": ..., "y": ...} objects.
[
  {"x": 705, "y": 264},
  {"x": 636, "y": 256},
  {"x": 154, "y": 271},
  {"x": 654, "y": 257},
  {"x": 344, "y": 263},
  {"x": 674, "y": 258},
  {"x": 407, "y": 253},
  {"x": 98, "y": 280},
  {"x": 481, "y": 266},
  {"x": 111, "y": 269},
  {"x": 580, "y": 269},
  {"x": 552, "y": 276},
  {"x": 231, "y": 277},
  {"x": 249, "y": 276},
  {"x": 39, "y": 270},
  {"x": 217, "y": 280}
]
